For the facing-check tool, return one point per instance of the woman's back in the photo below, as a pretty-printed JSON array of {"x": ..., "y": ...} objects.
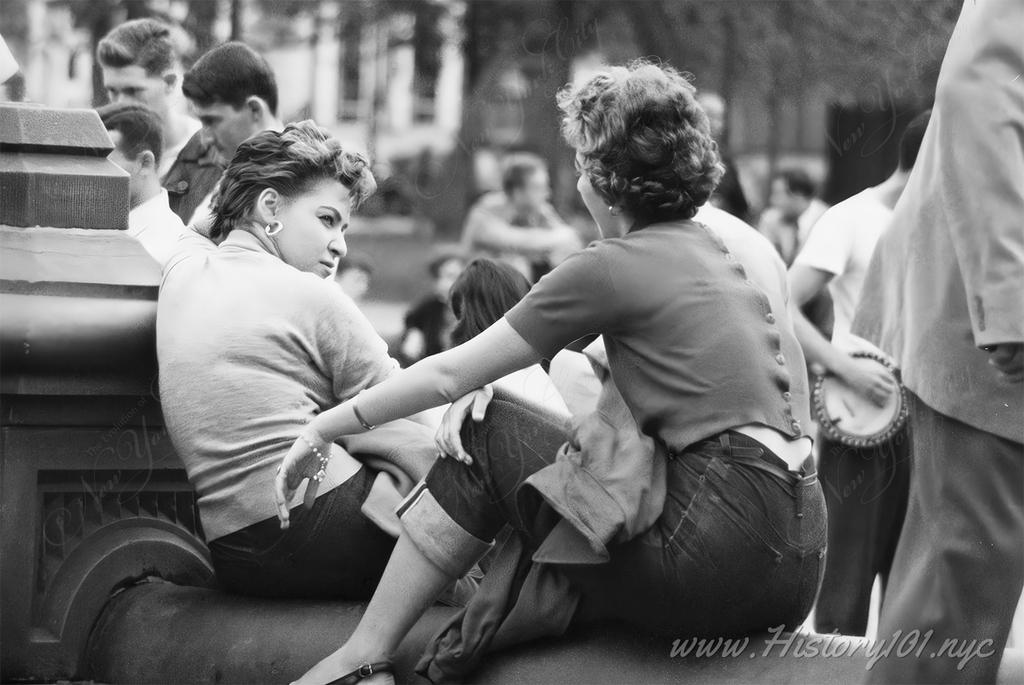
[
  {"x": 249, "y": 350},
  {"x": 698, "y": 341}
]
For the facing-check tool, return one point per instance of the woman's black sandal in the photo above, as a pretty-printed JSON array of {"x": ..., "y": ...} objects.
[{"x": 363, "y": 672}]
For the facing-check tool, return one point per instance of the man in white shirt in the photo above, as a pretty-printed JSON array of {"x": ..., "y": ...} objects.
[
  {"x": 792, "y": 211},
  {"x": 135, "y": 130},
  {"x": 865, "y": 488}
]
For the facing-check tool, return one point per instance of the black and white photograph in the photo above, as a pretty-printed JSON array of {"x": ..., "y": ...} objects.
[{"x": 511, "y": 342}]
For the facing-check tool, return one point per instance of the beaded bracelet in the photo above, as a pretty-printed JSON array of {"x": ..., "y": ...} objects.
[{"x": 322, "y": 471}]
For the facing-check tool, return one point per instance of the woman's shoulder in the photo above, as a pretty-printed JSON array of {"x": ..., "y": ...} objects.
[{"x": 666, "y": 239}]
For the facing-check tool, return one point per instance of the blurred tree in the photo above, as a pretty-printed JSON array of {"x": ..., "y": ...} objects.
[
  {"x": 237, "y": 12},
  {"x": 858, "y": 52},
  {"x": 202, "y": 14},
  {"x": 776, "y": 52},
  {"x": 517, "y": 56},
  {"x": 98, "y": 17}
]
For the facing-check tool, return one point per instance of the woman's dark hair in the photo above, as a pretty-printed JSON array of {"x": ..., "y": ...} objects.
[
  {"x": 644, "y": 141},
  {"x": 482, "y": 294},
  {"x": 291, "y": 162}
]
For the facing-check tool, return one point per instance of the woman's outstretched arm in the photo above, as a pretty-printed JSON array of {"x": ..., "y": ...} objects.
[{"x": 437, "y": 380}]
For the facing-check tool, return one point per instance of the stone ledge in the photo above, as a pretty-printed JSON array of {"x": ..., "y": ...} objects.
[{"x": 163, "y": 633}]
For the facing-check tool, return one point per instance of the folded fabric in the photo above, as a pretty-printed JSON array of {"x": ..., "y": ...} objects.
[
  {"x": 406, "y": 444},
  {"x": 401, "y": 452},
  {"x": 607, "y": 482},
  {"x": 517, "y": 601}
]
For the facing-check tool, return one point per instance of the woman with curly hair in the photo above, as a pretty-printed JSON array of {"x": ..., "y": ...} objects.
[
  {"x": 718, "y": 527},
  {"x": 253, "y": 341}
]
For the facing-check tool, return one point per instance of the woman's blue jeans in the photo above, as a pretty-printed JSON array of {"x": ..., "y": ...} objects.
[
  {"x": 739, "y": 546},
  {"x": 330, "y": 551}
]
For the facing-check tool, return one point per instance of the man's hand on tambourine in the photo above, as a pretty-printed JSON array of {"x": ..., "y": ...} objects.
[
  {"x": 1008, "y": 358},
  {"x": 868, "y": 379}
]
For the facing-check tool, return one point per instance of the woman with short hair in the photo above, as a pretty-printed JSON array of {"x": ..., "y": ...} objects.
[
  {"x": 253, "y": 342},
  {"x": 719, "y": 527}
]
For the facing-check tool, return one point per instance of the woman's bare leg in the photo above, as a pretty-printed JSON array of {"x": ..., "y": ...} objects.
[
  {"x": 511, "y": 443},
  {"x": 410, "y": 585}
]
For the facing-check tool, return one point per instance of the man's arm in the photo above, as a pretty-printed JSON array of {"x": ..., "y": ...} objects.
[
  {"x": 488, "y": 230},
  {"x": 804, "y": 283}
]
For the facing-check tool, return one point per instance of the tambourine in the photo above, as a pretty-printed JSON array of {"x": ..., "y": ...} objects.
[{"x": 848, "y": 417}]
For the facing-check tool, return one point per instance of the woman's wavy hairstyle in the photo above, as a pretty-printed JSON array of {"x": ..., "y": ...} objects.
[
  {"x": 481, "y": 295},
  {"x": 645, "y": 142},
  {"x": 291, "y": 162}
]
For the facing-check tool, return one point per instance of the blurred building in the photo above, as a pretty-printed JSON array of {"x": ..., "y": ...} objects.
[
  {"x": 403, "y": 80},
  {"x": 360, "y": 73}
]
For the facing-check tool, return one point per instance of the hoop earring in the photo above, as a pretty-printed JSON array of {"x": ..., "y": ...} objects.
[{"x": 273, "y": 228}]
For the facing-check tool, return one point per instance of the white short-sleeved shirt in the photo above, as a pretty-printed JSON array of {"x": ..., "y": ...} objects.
[
  {"x": 841, "y": 244},
  {"x": 154, "y": 225}
]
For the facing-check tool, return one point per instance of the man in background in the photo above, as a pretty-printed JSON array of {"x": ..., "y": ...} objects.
[
  {"x": 234, "y": 93},
  {"x": 138, "y": 145},
  {"x": 865, "y": 487},
  {"x": 943, "y": 297},
  {"x": 517, "y": 224},
  {"x": 141, "y": 64},
  {"x": 792, "y": 211}
]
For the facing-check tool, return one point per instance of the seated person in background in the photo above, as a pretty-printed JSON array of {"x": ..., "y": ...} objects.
[
  {"x": 792, "y": 211},
  {"x": 481, "y": 295},
  {"x": 518, "y": 225},
  {"x": 353, "y": 275},
  {"x": 138, "y": 146},
  {"x": 140, "y": 64},
  {"x": 253, "y": 341},
  {"x": 233, "y": 91},
  {"x": 428, "y": 325}
]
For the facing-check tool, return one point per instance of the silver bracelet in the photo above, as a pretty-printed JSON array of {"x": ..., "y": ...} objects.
[
  {"x": 359, "y": 417},
  {"x": 322, "y": 471}
]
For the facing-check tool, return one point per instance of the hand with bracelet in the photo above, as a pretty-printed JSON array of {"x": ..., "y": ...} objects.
[
  {"x": 310, "y": 453},
  {"x": 307, "y": 458}
]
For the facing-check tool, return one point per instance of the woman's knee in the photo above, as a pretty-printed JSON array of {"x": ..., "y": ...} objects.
[{"x": 510, "y": 427}]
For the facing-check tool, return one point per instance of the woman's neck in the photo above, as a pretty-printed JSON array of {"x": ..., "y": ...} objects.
[{"x": 254, "y": 239}]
